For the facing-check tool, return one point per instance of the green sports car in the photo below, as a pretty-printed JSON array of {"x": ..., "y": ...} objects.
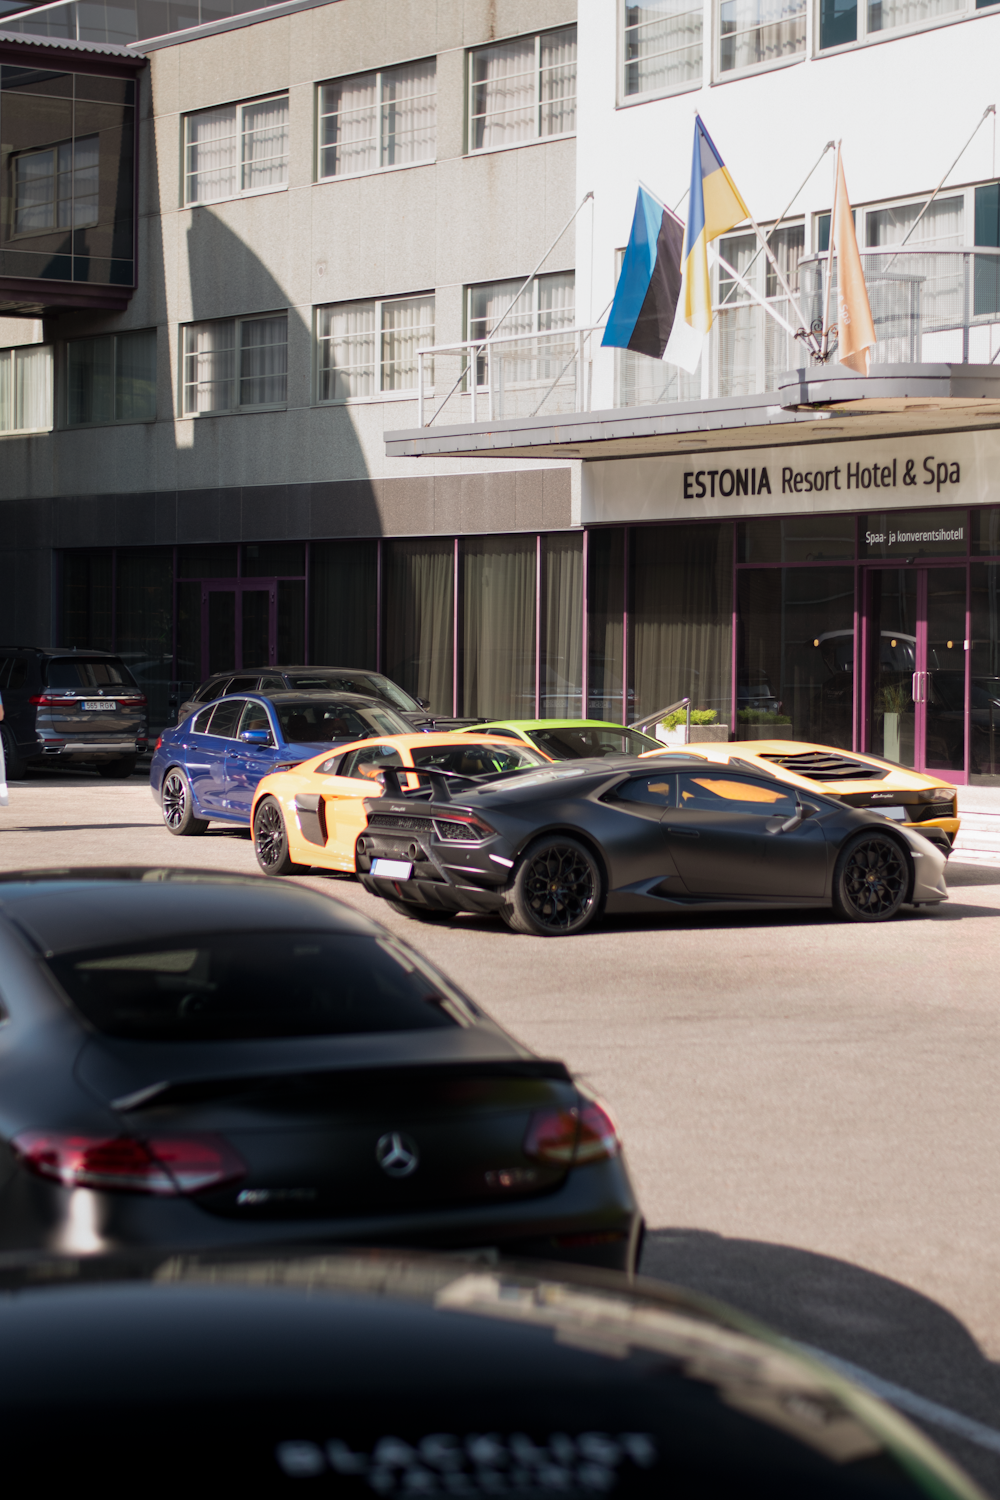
[{"x": 570, "y": 739}]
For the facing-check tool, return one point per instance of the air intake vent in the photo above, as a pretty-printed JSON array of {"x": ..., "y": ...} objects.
[
  {"x": 826, "y": 765},
  {"x": 400, "y": 824}
]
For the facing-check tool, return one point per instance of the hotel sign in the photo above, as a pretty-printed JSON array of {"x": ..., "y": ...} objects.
[{"x": 946, "y": 469}]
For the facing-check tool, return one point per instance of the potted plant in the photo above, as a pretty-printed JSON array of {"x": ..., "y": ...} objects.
[
  {"x": 895, "y": 705},
  {"x": 673, "y": 729}
]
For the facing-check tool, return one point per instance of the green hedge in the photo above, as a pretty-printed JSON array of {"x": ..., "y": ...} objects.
[{"x": 698, "y": 716}]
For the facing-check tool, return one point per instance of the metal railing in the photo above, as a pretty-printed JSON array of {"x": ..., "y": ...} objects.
[{"x": 928, "y": 306}]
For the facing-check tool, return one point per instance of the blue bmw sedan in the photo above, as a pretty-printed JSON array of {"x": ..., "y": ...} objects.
[{"x": 208, "y": 767}]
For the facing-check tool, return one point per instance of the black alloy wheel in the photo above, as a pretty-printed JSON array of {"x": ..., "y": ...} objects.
[
  {"x": 557, "y": 889},
  {"x": 270, "y": 840},
  {"x": 13, "y": 760},
  {"x": 177, "y": 805},
  {"x": 117, "y": 770},
  {"x": 870, "y": 880}
]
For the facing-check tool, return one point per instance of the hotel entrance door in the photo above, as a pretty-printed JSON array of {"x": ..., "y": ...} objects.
[
  {"x": 238, "y": 627},
  {"x": 914, "y": 683}
]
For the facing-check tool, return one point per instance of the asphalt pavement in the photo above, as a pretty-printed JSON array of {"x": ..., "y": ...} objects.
[{"x": 810, "y": 1108}]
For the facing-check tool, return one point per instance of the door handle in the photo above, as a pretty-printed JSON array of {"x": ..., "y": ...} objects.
[
  {"x": 918, "y": 690},
  {"x": 684, "y": 833}
]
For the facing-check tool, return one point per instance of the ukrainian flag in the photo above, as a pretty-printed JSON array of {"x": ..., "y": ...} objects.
[{"x": 714, "y": 206}]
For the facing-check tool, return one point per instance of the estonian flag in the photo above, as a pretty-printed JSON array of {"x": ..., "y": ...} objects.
[{"x": 642, "y": 313}]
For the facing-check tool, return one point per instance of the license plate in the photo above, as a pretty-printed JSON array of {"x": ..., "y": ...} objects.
[
  {"x": 99, "y": 703},
  {"x": 391, "y": 869},
  {"x": 899, "y": 814}
]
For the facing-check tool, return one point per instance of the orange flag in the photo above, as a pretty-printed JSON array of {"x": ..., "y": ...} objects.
[{"x": 855, "y": 329}]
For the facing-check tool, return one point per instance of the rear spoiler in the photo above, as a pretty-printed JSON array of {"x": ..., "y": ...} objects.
[
  {"x": 201, "y": 1090},
  {"x": 440, "y": 784}
]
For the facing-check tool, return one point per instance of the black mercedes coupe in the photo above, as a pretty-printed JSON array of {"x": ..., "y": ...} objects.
[
  {"x": 550, "y": 850},
  {"x": 192, "y": 1059}
]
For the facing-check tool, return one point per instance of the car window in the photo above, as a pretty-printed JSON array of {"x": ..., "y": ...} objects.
[
  {"x": 322, "y": 721},
  {"x": 472, "y": 758},
  {"x": 368, "y": 762},
  {"x": 258, "y": 985},
  {"x": 243, "y": 685},
  {"x": 271, "y": 684},
  {"x": 255, "y": 717},
  {"x": 384, "y": 687},
  {"x": 731, "y": 794},
  {"x": 86, "y": 672},
  {"x": 225, "y": 717},
  {"x": 202, "y": 721},
  {"x": 577, "y": 743},
  {"x": 215, "y": 687},
  {"x": 505, "y": 734},
  {"x": 18, "y": 673},
  {"x": 657, "y": 791}
]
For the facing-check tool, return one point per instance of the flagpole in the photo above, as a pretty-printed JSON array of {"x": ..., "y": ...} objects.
[
  {"x": 810, "y": 339},
  {"x": 825, "y": 350},
  {"x": 830, "y": 145}
]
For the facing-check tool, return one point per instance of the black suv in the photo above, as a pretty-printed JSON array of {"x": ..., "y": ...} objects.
[
  {"x": 324, "y": 679},
  {"x": 70, "y": 708}
]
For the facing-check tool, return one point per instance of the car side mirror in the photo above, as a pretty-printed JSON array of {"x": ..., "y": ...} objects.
[
  {"x": 803, "y": 810},
  {"x": 256, "y": 737},
  {"x": 424, "y": 702}
]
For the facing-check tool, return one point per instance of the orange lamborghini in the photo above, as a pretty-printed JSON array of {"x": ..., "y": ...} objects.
[{"x": 313, "y": 814}]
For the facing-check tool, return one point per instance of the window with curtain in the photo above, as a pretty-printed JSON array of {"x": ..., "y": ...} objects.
[
  {"x": 370, "y": 348},
  {"x": 57, "y": 188},
  {"x": 498, "y": 626},
  {"x": 144, "y": 622},
  {"x": 752, "y": 349},
  {"x": 418, "y": 597},
  {"x": 545, "y": 305},
  {"x": 939, "y": 277},
  {"x": 681, "y": 617},
  {"x": 605, "y": 584},
  {"x": 844, "y": 21},
  {"x": 342, "y": 603},
  {"x": 26, "y": 388},
  {"x": 239, "y": 148},
  {"x": 753, "y": 33},
  {"x": 523, "y": 90},
  {"x": 383, "y": 119},
  {"x": 661, "y": 47},
  {"x": 562, "y": 627},
  {"x": 111, "y": 378},
  {"x": 235, "y": 364}
]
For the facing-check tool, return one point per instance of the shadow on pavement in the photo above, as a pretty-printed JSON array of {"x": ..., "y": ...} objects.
[{"x": 857, "y": 1315}]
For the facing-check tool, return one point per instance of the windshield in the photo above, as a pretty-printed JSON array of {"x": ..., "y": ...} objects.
[
  {"x": 256, "y": 985},
  {"x": 86, "y": 672},
  {"x": 476, "y": 759},
  {"x": 319, "y": 721},
  {"x": 579, "y": 743},
  {"x": 368, "y": 684}
]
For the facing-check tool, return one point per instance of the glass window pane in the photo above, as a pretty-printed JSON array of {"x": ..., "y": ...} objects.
[
  {"x": 409, "y": 113},
  {"x": 883, "y": 15},
  {"x": 85, "y": 182},
  {"x": 347, "y": 341},
  {"x": 265, "y": 144},
  {"x": 264, "y": 361},
  {"x": 210, "y": 167},
  {"x": 210, "y": 366},
  {"x": 418, "y": 590},
  {"x": 406, "y": 327},
  {"x": 34, "y": 192},
  {"x": 342, "y": 599},
  {"x": 498, "y": 628},
  {"x": 984, "y": 716},
  {"x": 90, "y": 384},
  {"x": 135, "y": 376},
  {"x": 87, "y": 600},
  {"x": 663, "y": 44},
  {"x": 605, "y": 622},
  {"x": 937, "y": 280},
  {"x": 348, "y": 126},
  {"x": 33, "y": 388},
  {"x": 144, "y": 616},
  {"x": 838, "y": 24},
  {"x": 562, "y": 627},
  {"x": 504, "y": 83},
  {"x": 557, "y": 82},
  {"x": 6, "y": 389},
  {"x": 759, "y": 31}
]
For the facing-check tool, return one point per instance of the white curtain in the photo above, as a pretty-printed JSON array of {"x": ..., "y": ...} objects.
[
  {"x": 406, "y": 326},
  {"x": 349, "y": 126},
  {"x": 409, "y": 113},
  {"x": 210, "y": 366},
  {"x": 662, "y": 45},
  {"x": 503, "y": 94},
  {"x": 562, "y": 642},
  {"x": 265, "y": 144},
  {"x": 6, "y": 390},
  {"x": 759, "y": 31},
  {"x": 914, "y": 292},
  {"x": 680, "y": 622},
  {"x": 498, "y": 656},
  {"x": 211, "y": 155},
  {"x": 33, "y": 387},
  {"x": 419, "y": 618},
  {"x": 557, "y": 82},
  {"x": 264, "y": 361},
  {"x": 883, "y": 15},
  {"x": 347, "y": 351}
]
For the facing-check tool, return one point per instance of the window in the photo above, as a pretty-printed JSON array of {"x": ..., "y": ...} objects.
[
  {"x": 755, "y": 33},
  {"x": 845, "y": 21},
  {"x": 370, "y": 348},
  {"x": 26, "y": 388},
  {"x": 225, "y": 717},
  {"x": 523, "y": 90},
  {"x": 255, "y": 719},
  {"x": 661, "y": 47},
  {"x": 383, "y": 119},
  {"x": 235, "y": 363},
  {"x": 56, "y": 188},
  {"x": 111, "y": 378},
  {"x": 730, "y": 794},
  {"x": 545, "y": 305},
  {"x": 240, "y": 148},
  {"x": 366, "y": 764}
]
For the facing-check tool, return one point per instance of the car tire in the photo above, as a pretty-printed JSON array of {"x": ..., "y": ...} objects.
[
  {"x": 177, "y": 805},
  {"x": 870, "y": 879},
  {"x": 270, "y": 840},
  {"x": 420, "y": 913},
  {"x": 13, "y": 760},
  {"x": 557, "y": 889},
  {"x": 117, "y": 770}
]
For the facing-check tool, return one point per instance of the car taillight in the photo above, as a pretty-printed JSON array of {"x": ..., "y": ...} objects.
[
  {"x": 159, "y": 742},
  {"x": 46, "y": 700},
  {"x": 464, "y": 829},
  {"x": 571, "y": 1137},
  {"x": 167, "y": 1166},
  {"x": 138, "y": 701}
]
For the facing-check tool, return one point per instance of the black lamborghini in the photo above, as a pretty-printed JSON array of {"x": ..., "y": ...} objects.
[{"x": 552, "y": 849}]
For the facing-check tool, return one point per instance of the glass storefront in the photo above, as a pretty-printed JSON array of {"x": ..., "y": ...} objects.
[{"x": 879, "y": 632}]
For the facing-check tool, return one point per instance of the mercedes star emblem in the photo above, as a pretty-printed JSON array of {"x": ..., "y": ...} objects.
[{"x": 396, "y": 1154}]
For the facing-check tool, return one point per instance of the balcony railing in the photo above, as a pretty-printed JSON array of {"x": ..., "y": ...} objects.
[{"x": 928, "y": 306}]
